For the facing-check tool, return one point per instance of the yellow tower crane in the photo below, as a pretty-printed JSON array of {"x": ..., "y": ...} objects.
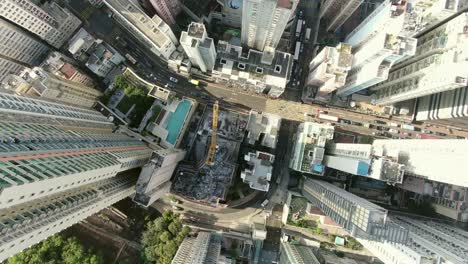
[{"x": 214, "y": 130}]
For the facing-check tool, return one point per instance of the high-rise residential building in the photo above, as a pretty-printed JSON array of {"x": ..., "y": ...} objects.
[
  {"x": 361, "y": 218},
  {"x": 264, "y": 21},
  {"x": 39, "y": 83},
  {"x": 8, "y": 67},
  {"x": 50, "y": 22},
  {"x": 336, "y": 12},
  {"x": 432, "y": 159},
  {"x": 167, "y": 10},
  {"x": 199, "y": 47},
  {"x": 309, "y": 147},
  {"x": 59, "y": 165},
  {"x": 154, "y": 179},
  {"x": 153, "y": 32},
  {"x": 328, "y": 70},
  {"x": 203, "y": 249},
  {"x": 259, "y": 170},
  {"x": 265, "y": 72},
  {"x": 437, "y": 66},
  {"x": 18, "y": 45},
  {"x": 377, "y": 45},
  {"x": 231, "y": 12},
  {"x": 263, "y": 129}
]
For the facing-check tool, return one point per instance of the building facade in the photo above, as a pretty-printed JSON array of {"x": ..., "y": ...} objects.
[
  {"x": 153, "y": 32},
  {"x": 328, "y": 70},
  {"x": 17, "y": 45},
  {"x": 264, "y": 21},
  {"x": 336, "y": 12},
  {"x": 437, "y": 66},
  {"x": 39, "y": 83},
  {"x": 199, "y": 47},
  {"x": 297, "y": 254},
  {"x": 203, "y": 249},
  {"x": 58, "y": 165},
  {"x": 62, "y": 66},
  {"x": 50, "y": 22},
  {"x": 361, "y": 218},
  {"x": 167, "y": 10},
  {"x": 8, "y": 67},
  {"x": 265, "y": 72}
]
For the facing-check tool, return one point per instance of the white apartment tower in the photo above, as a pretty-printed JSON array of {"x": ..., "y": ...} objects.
[
  {"x": 203, "y": 249},
  {"x": 264, "y": 21},
  {"x": 39, "y": 83},
  {"x": 328, "y": 70},
  {"x": 167, "y": 10},
  {"x": 59, "y": 164},
  {"x": 199, "y": 47},
  {"x": 336, "y": 12},
  {"x": 377, "y": 45},
  {"x": 438, "y": 65},
  {"x": 50, "y": 22},
  {"x": 153, "y": 32}
]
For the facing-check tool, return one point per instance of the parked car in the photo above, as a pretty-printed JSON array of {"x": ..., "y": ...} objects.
[
  {"x": 441, "y": 134},
  {"x": 356, "y": 123},
  {"x": 173, "y": 79},
  {"x": 425, "y": 131},
  {"x": 392, "y": 130}
]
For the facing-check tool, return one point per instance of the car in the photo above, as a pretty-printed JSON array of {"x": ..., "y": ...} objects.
[
  {"x": 177, "y": 208},
  {"x": 354, "y": 123},
  {"x": 264, "y": 203},
  {"x": 172, "y": 79},
  {"x": 441, "y": 134},
  {"x": 345, "y": 121},
  {"x": 425, "y": 131},
  {"x": 392, "y": 130},
  {"x": 417, "y": 129},
  {"x": 379, "y": 128},
  {"x": 460, "y": 137},
  {"x": 380, "y": 122}
]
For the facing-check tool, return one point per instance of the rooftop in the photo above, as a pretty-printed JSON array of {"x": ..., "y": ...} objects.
[
  {"x": 196, "y": 30},
  {"x": 232, "y": 60},
  {"x": 259, "y": 171},
  {"x": 263, "y": 127}
]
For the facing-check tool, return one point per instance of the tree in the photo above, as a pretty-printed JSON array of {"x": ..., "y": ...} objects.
[
  {"x": 57, "y": 249},
  {"x": 162, "y": 238}
]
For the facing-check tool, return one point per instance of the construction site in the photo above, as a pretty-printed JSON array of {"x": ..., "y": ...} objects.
[{"x": 210, "y": 166}]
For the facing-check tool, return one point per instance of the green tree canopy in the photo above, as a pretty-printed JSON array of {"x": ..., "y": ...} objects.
[
  {"x": 162, "y": 238},
  {"x": 57, "y": 250}
]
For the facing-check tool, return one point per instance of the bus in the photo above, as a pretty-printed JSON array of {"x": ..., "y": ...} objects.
[
  {"x": 194, "y": 82},
  {"x": 328, "y": 117},
  {"x": 297, "y": 51},
  {"x": 299, "y": 27},
  {"x": 307, "y": 35},
  {"x": 130, "y": 58}
]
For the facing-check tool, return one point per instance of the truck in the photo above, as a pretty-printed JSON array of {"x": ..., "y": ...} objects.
[
  {"x": 194, "y": 82},
  {"x": 307, "y": 35},
  {"x": 408, "y": 127},
  {"x": 299, "y": 27},
  {"x": 328, "y": 117},
  {"x": 130, "y": 58},
  {"x": 297, "y": 51}
]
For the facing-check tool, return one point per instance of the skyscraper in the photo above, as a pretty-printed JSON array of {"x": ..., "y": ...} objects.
[
  {"x": 37, "y": 82},
  {"x": 50, "y": 22},
  {"x": 297, "y": 254},
  {"x": 167, "y": 10},
  {"x": 336, "y": 12},
  {"x": 199, "y": 47},
  {"x": 437, "y": 66},
  {"x": 153, "y": 32},
  {"x": 264, "y": 21},
  {"x": 392, "y": 237},
  {"x": 18, "y": 45},
  {"x": 58, "y": 165}
]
